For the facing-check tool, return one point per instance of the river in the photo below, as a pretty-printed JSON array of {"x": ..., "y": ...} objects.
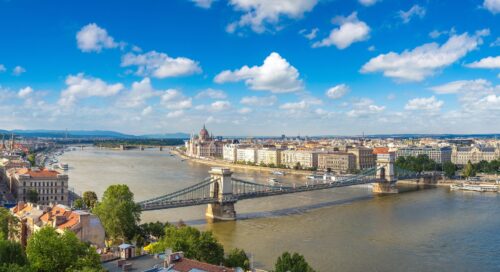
[{"x": 342, "y": 229}]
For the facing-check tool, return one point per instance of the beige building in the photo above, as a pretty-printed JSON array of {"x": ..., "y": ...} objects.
[
  {"x": 462, "y": 155},
  {"x": 86, "y": 226},
  {"x": 269, "y": 156},
  {"x": 248, "y": 154},
  {"x": 364, "y": 157},
  {"x": 51, "y": 186},
  {"x": 338, "y": 161},
  {"x": 229, "y": 152},
  {"x": 203, "y": 145},
  {"x": 303, "y": 158}
]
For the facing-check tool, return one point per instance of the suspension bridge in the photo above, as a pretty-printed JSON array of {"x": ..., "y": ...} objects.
[{"x": 221, "y": 190}]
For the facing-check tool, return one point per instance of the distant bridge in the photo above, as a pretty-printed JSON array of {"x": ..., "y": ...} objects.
[{"x": 220, "y": 191}]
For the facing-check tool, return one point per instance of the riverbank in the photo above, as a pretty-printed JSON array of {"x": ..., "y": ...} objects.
[{"x": 221, "y": 163}]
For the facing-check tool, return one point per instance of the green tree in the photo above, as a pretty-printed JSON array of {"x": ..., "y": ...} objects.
[
  {"x": 449, "y": 169},
  {"x": 90, "y": 199},
  {"x": 32, "y": 196},
  {"x": 9, "y": 224},
  {"x": 197, "y": 245},
  {"x": 153, "y": 230},
  {"x": 10, "y": 267},
  {"x": 237, "y": 258},
  {"x": 78, "y": 204},
  {"x": 49, "y": 251},
  {"x": 292, "y": 263},
  {"x": 469, "y": 170},
  {"x": 12, "y": 253},
  {"x": 32, "y": 159},
  {"x": 118, "y": 212}
]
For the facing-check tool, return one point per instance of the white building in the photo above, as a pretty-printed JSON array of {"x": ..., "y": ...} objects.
[
  {"x": 269, "y": 156},
  {"x": 301, "y": 158},
  {"x": 229, "y": 152},
  {"x": 248, "y": 154}
]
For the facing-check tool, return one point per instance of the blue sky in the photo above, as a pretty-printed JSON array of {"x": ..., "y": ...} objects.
[{"x": 251, "y": 67}]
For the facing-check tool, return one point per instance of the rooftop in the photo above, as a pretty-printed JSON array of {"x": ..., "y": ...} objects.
[{"x": 38, "y": 173}]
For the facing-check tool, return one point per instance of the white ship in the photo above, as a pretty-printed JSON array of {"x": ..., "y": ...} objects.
[{"x": 475, "y": 187}]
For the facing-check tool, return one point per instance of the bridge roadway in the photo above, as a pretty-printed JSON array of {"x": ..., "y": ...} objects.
[{"x": 248, "y": 190}]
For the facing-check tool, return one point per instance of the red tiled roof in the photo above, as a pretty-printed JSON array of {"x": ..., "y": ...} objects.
[
  {"x": 185, "y": 265},
  {"x": 72, "y": 218},
  {"x": 380, "y": 150},
  {"x": 42, "y": 173}
]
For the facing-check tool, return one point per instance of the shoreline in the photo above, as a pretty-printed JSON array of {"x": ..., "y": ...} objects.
[{"x": 240, "y": 166}]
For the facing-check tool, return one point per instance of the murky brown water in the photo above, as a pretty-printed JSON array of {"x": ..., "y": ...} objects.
[{"x": 343, "y": 229}]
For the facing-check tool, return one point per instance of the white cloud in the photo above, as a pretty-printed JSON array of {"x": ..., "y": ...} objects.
[
  {"x": 25, "y": 92},
  {"x": 492, "y": 5},
  {"x": 259, "y": 100},
  {"x": 372, "y": 48},
  {"x": 496, "y": 42},
  {"x": 203, "y": 3},
  {"x": 486, "y": 63},
  {"x": 424, "y": 104},
  {"x": 220, "y": 105},
  {"x": 174, "y": 100},
  {"x": 94, "y": 38},
  {"x": 80, "y": 86},
  {"x": 160, "y": 65},
  {"x": 244, "y": 110},
  {"x": 311, "y": 35},
  {"x": 147, "y": 111},
  {"x": 462, "y": 86},
  {"x": 350, "y": 30},
  {"x": 368, "y": 3},
  {"x": 212, "y": 93},
  {"x": 436, "y": 33},
  {"x": 275, "y": 75},
  {"x": 365, "y": 108},
  {"x": 338, "y": 91},
  {"x": 18, "y": 70},
  {"x": 139, "y": 93},
  {"x": 415, "y": 10},
  {"x": 424, "y": 60},
  {"x": 175, "y": 114},
  {"x": 2, "y": 68},
  {"x": 260, "y": 13},
  {"x": 301, "y": 105}
]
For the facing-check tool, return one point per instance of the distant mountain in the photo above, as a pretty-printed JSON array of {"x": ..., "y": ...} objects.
[
  {"x": 71, "y": 133},
  {"x": 177, "y": 135}
]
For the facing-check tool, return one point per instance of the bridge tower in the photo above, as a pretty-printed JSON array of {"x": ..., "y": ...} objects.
[
  {"x": 385, "y": 174},
  {"x": 222, "y": 190}
]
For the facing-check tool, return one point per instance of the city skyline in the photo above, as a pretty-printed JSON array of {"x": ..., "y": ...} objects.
[{"x": 253, "y": 67}]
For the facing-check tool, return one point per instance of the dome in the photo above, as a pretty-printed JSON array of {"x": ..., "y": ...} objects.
[{"x": 204, "y": 133}]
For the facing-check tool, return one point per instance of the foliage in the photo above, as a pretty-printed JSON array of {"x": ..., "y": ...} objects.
[
  {"x": 90, "y": 199},
  {"x": 492, "y": 167},
  {"x": 195, "y": 244},
  {"x": 449, "y": 169},
  {"x": 49, "y": 251},
  {"x": 118, "y": 212},
  {"x": 292, "y": 263},
  {"x": 418, "y": 164},
  {"x": 153, "y": 230},
  {"x": 32, "y": 196},
  {"x": 11, "y": 267},
  {"x": 237, "y": 258},
  {"x": 11, "y": 253},
  {"x": 469, "y": 170},
  {"x": 78, "y": 204},
  {"x": 9, "y": 224},
  {"x": 32, "y": 159}
]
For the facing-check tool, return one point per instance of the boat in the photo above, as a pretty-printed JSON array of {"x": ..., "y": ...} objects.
[
  {"x": 475, "y": 187},
  {"x": 63, "y": 166},
  {"x": 273, "y": 181},
  {"x": 277, "y": 173}
]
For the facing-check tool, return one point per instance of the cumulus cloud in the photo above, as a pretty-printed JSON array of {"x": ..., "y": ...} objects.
[
  {"x": 92, "y": 38},
  {"x": 25, "y": 92},
  {"x": 368, "y": 3},
  {"x": 424, "y": 104},
  {"x": 424, "y": 60},
  {"x": 258, "y": 14},
  {"x": 220, "y": 105},
  {"x": 338, "y": 91},
  {"x": 414, "y": 11},
  {"x": 301, "y": 105},
  {"x": 461, "y": 86},
  {"x": 147, "y": 111},
  {"x": 310, "y": 35},
  {"x": 365, "y": 108},
  {"x": 81, "y": 86},
  {"x": 492, "y": 5},
  {"x": 203, "y": 3},
  {"x": 486, "y": 63},
  {"x": 174, "y": 100},
  {"x": 18, "y": 70},
  {"x": 160, "y": 65},
  {"x": 275, "y": 75},
  {"x": 244, "y": 110},
  {"x": 259, "y": 101},
  {"x": 350, "y": 30},
  {"x": 175, "y": 114},
  {"x": 212, "y": 93},
  {"x": 140, "y": 92}
]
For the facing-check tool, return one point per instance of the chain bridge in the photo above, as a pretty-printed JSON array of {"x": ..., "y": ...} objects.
[{"x": 220, "y": 191}]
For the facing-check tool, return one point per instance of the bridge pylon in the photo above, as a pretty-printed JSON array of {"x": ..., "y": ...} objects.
[
  {"x": 385, "y": 174},
  {"x": 221, "y": 190}
]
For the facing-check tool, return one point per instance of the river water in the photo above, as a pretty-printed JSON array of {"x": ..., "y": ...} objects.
[{"x": 342, "y": 229}]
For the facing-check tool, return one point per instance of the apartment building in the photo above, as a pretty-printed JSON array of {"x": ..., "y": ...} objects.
[
  {"x": 437, "y": 154},
  {"x": 229, "y": 152},
  {"x": 474, "y": 154},
  {"x": 51, "y": 186},
  {"x": 364, "y": 157},
  {"x": 302, "y": 158},
  {"x": 269, "y": 156},
  {"x": 339, "y": 162},
  {"x": 248, "y": 154}
]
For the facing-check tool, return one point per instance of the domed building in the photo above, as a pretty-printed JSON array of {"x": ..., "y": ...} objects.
[{"x": 204, "y": 145}]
